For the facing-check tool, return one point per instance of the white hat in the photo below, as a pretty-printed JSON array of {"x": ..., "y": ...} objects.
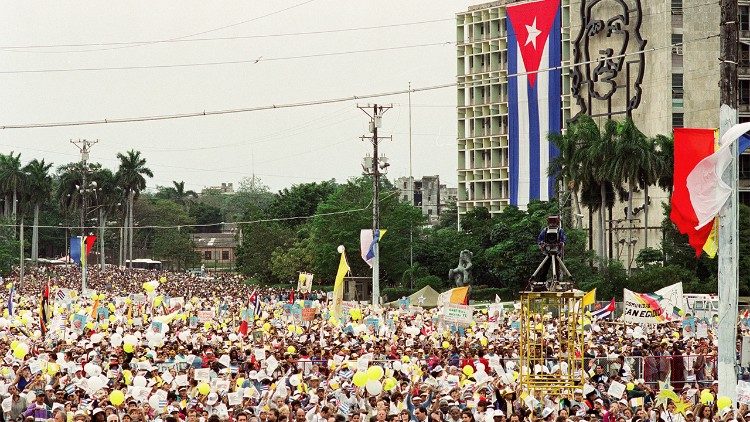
[
  {"x": 497, "y": 413},
  {"x": 546, "y": 412}
]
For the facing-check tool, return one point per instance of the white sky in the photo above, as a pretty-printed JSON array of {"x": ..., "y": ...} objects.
[{"x": 287, "y": 146}]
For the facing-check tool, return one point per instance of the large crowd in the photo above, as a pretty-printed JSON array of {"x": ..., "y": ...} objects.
[{"x": 157, "y": 346}]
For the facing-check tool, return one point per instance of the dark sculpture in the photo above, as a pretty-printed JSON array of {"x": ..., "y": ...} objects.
[
  {"x": 608, "y": 42},
  {"x": 461, "y": 275}
]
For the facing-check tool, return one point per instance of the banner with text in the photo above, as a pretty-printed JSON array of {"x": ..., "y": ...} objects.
[{"x": 644, "y": 308}]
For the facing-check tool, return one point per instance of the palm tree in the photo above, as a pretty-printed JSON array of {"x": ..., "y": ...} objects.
[
  {"x": 11, "y": 179},
  {"x": 665, "y": 152},
  {"x": 130, "y": 177},
  {"x": 108, "y": 195},
  {"x": 565, "y": 168},
  {"x": 629, "y": 164},
  {"x": 594, "y": 150},
  {"x": 38, "y": 189},
  {"x": 176, "y": 193}
]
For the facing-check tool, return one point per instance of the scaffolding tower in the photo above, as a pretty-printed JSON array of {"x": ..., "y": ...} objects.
[{"x": 542, "y": 368}]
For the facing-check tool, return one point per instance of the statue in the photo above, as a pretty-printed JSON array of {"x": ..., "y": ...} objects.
[{"x": 461, "y": 275}]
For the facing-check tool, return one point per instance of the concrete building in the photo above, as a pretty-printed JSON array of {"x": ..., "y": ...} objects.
[
  {"x": 216, "y": 248},
  {"x": 225, "y": 188},
  {"x": 427, "y": 194},
  {"x": 675, "y": 86},
  {"x": 482, "y": 100}
]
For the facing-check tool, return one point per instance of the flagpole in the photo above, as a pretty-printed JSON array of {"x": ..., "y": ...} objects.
[{"x": 728, "y": 276}]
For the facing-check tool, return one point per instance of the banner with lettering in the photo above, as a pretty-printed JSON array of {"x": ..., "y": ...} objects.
[{"x": 647, "y": 308}]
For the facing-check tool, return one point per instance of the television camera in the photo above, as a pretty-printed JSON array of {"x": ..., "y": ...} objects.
[{"x": 552, "y": 243}]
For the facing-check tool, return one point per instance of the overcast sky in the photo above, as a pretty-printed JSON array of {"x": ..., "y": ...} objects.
[{"x": 282, "y": 147}]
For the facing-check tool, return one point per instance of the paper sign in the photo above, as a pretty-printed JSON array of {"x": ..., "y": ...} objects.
[
  {"x": 235, "y": 399},
  {"x": 181, "y": 380},
  {"x": 308, "y": 314},
  {"x": 203, "y": 374},
  {"x": 156, "y": 327},
  {"x": 221, "y": 385},
  {"x": 167, "y": 377},
  {"x": 702, "y": 330},
  {"x": 458, "y": 314},
  {"x": 79, "y": 321},
  {"x": 205, "y": 316},
  {"x": 362, "y": 364},
  {"x": 193, "y": 323},
  {"x": 743, "y": 392},
  {"x": 138, "y": 298},
  {"x": 616, "y": 390},
  {"x": 35, "y": 367},
  {"x": 636, "y": 402},
  {"x": 271, "y": 364},
  {"x": 260, "y": 354}
]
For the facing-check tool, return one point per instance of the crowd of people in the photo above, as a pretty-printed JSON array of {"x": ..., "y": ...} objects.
[{"x": 157, "y": 346}]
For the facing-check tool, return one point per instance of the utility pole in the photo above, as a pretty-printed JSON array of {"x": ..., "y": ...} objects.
[
  {"x": 376, "y": 168},
  {"x": 84, "y": 146},
  {"x": 729, "y": 214},
  {"x": 411, "y": 200}
]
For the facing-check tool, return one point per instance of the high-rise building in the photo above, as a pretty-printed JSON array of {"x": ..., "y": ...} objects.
[
  {"x": 655, "y": 61},
  {"x": 426, "y": 194},
  {"x": 485, "y": 150}
]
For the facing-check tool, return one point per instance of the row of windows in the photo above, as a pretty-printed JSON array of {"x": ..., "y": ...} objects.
[{"x": 208, "y": 255}]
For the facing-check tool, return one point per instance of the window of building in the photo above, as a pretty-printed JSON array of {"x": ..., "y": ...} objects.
[
  {"x": 225, "y": 255},
  {"x": 678, "y": 119},
  {"x": 676, "y": 5},
  {"x": 677, "y": 89},
  {"x": 744, "y": 92},
  {"x": 744, "y": 54},
  {"x": 744, "y": 166},
  {"x": 745, "y": 198},
  {"x": 676, "y": 39},
  {"x": 429, "y": 211},
  {"x": 744, "y": 18},
  {"x": 206, "y": 254}
]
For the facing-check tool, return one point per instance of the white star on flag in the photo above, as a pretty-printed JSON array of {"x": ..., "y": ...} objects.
[
  {"x": 421, "y": 300},
  {"x": 533, "y": 33}
]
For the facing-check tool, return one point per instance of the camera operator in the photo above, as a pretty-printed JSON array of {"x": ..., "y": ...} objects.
[{"x": 551, "y": 240}]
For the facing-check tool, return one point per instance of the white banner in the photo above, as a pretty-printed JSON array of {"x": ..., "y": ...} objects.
[
  {"x": 672, "y": 297},
  {"x": 642, "y": 308}
]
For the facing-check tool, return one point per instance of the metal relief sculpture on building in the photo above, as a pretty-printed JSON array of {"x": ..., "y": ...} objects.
[{"x": 609, "y": 60}]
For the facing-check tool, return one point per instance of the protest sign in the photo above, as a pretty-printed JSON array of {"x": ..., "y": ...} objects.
[
  {"x": 308, "y": 314},
  {"x": 616, "y": 390},
  {"x": 644, "y": 308},
  {"x": 457, "y": 314},
  {"x": 205, "y": 316}
]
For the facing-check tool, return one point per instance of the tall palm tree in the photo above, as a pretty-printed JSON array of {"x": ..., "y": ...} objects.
[
  {"x": 38, "y": 189},
  {"x": 130, "y": 177},
  {"x": 108, "y": 195},
  {"x": 665, "y": 152},
  {"x": 11, "y": 179},
  {"x": 594, "y": 150},
  {"x": 565, "y": 168},
  {"x": 631, "y": 165}
]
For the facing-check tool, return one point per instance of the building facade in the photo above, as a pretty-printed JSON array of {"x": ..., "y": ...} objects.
[
  {"x": 216, "y": 248},
  {"x": 655, "y": 61},
  {"x": 426, "y": 194}
]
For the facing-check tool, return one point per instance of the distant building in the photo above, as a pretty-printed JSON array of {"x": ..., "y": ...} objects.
[
  {"x": 225, "y": 188},
  {"x": 216, "y": 248},
  {"x": 427, "y": 194}
]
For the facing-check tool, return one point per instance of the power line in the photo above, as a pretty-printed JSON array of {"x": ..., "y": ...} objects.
[
  {"x": 183, "y": 37},
  {"x": 321, "y": 101},
  {"x": 19, "y": 49},
  {"x": 225, "y": 111},
  {"x": 221, "y": 63}
]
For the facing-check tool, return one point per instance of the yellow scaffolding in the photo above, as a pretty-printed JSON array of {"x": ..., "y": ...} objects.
[{"x": 542, "y": 367}]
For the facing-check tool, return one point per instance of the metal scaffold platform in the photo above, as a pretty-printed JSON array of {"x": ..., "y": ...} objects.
[{"x": 542, "y": 368}]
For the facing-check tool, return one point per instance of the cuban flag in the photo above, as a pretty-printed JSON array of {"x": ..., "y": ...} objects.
[{"x": 534, "y": 97}]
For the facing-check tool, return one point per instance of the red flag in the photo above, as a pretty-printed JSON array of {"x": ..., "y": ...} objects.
[
  {"x": 291, "y": 297},
  {"x": 43, "y": 311},
  {"x": 243, "y": 328},
  {"x": 89, "y": 243},
  {"x": 690, "y": 147}
]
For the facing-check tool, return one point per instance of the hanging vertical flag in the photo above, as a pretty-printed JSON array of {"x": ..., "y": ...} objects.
[
  {"x": 690, "y": 147},
  {"x": 534, "y": 97},
  {"x": 254, "y": 302},
  {"x": 44, "y": 315},
  {"x": 338, "y": 285},
  {"x": 367, "y": 243},
  {"x": 75, "y": 249}
]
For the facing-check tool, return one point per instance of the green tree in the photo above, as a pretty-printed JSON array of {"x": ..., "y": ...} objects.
[
  {"x": 11, "y": 182},
  {"x": 449, "y": 217},
  {"x": 436, "y": 252},
  {"x": 286, "y": 263},
  {"x": 347, "y": 211},
  {"x": 131, "y": 177},
  {"x": 259, "y": 241},
  {"x": 38, "y": 189},
  {"x": 208, "y": 217},
  {"x": 566, "y": 168},
  {"x": 8, "y": 247},
  {"x": 300, "y": 201},
  {"x": 175, "y": 248},
  {"x": 157, "y": 212},
  {"x": 176, "y": 193}
]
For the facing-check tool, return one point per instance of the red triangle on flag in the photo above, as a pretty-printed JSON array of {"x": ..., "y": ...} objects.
[{"x": 532, "y": 23}]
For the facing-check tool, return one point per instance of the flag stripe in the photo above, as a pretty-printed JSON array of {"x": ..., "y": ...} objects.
[{"x": 512, "y": 117}]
